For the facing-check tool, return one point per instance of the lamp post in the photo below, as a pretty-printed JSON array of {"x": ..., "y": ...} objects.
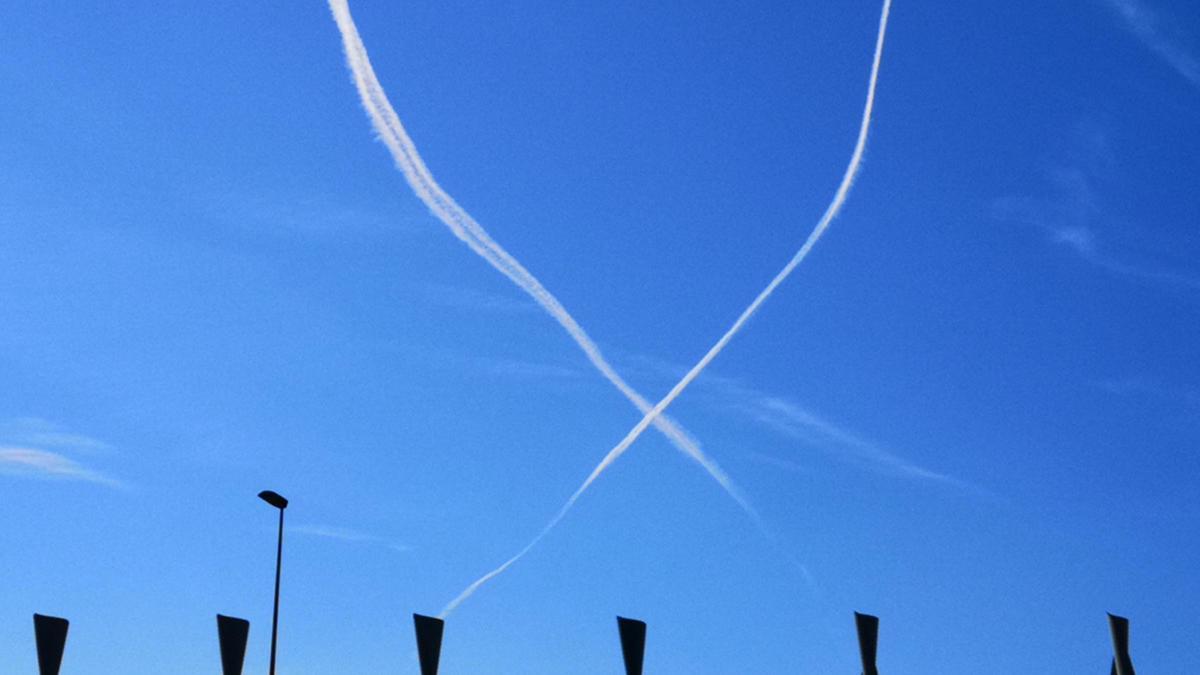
[{"x": 278, "y": 501}]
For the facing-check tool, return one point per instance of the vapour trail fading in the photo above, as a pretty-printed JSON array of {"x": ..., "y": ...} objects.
[
  {"x": 831, "y": 212},
  {"x": 391, "y": 131}
]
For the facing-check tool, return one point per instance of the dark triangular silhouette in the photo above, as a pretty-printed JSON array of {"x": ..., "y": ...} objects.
[
  {"x": 633, "y": 643},
  {"x": 232, "y": 634},
  {"x": 868, "y": 638},
  {"x": 429, "y": 642},
  {"x": 1119, "y": 627},
  {"x": 51, "y": 635}
]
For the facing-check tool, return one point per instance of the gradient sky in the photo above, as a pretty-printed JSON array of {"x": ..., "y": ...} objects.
[{"x": 974, "y": 411}]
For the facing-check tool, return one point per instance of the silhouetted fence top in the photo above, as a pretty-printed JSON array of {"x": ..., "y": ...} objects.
[{"x": 50, "y": 633}]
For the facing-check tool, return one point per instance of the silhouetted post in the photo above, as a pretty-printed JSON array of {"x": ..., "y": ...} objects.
[
  {"x": 633, "y": 643},
  {"x": 1119, "y": 627},
  {"x": 232, "y": 634},
  {"x": 51, "y": 635},
  {"x": 276, "y": 500},
  {"x": 868, "y": 638},
  {"x": 429, "y": 642}
]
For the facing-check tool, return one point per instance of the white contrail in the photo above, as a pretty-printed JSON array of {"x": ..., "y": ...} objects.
[
  {"x": 394, "y": 136},
  {"x": 831, "y": 212}
]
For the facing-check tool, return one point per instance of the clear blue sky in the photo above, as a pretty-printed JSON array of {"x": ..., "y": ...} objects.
[{"x": 974, "y": 411}]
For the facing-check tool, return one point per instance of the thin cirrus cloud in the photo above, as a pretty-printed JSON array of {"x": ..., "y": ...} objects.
[
  {"x": 1153, "y": 29},
  {"x": 1070, "y": 210},
  {"x": 1083, "y": 241},
  {"x": 1151, "y": 388},
  {"x": 792, "y": 420},
  {"x": 522, "y": 369},
  {"x": 33, "y": 447},
  {"x": 780, "y": 463},
  {"x": 346, "y": 535},
  {"x": 42, "y": 433},
  {"x": 474, "y": 300},
  {"x": 462, "y": 361},
  {"x": 36, "y": 463},
  {"x": 260, "y": 209},
  {"x": 1069, "y": 226}
]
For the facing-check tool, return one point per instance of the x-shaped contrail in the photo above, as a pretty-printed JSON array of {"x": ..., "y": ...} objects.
[{"x": 394, "y": 136}]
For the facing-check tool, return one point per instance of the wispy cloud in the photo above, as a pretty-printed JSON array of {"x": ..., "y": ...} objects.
[
  {"x": 259, "y": 208},
  {"x": 787, "y": 417},
  {"x": 1144, "y": 386},
  {"x": 462, "y": 361},
  {"x": 780, "y": 462},
  {"x": 346, "y": 535},
  {"x": 521, "y": 369},
  {"x": 791, "y": 419},
  {"x": 1158, "y": 34},
  {"x": 33, "y": 447},
  {"x": 475, "y": 300},
  {"x": 40, "y": 432},
  {"x": 34, "y": 463},
  {"x": 1070, "y": 210},
  {"x": 1083, "y": 243}
]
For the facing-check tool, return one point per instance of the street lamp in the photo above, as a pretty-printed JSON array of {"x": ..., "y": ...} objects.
[{"x": 278, "y": 501}]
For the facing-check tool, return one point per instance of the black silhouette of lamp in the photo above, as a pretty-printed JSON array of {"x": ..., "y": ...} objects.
[
  {"x": 429, "y": 642},
  {"x": 232, "y": 634},
  {"x": 51, "y": 635},
  {"x": 1119, "y": 627},
  {"x": 633, "y": 643},
  {"x": 868, "y": 639},
  {"x": 278, "y": 501}
]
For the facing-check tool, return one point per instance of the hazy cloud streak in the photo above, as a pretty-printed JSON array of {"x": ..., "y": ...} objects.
[
  {"x": 792, "y": 420},
  {"x": 45, "y": 464},
  {"x": 796, "y": 421},
  {"x": 1147, "y": 25},
  {"x": 346, "y": 535},
  {"x": 831, "y": 212},
  {"x": 38, "y": 432},
  {"x": 1066, "y": 219},
  {"x": 1082, "y": 240},
  {"x": 391, "y": 131}
]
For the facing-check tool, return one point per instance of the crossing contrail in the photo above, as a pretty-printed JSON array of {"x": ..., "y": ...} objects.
[
  {"x": 391, "y": 131},
  {"x": 831, "y": 212}
]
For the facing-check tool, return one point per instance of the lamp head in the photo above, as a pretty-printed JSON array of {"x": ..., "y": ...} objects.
[{"x": 274, "y": 499}]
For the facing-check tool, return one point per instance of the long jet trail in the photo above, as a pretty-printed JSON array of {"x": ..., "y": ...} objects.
[
  {"x": 831, "y": 212},
  {"x": 404, "y": 152}
]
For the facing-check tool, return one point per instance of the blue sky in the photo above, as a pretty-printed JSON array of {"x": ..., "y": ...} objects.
[{"x": 973, "y": 411}]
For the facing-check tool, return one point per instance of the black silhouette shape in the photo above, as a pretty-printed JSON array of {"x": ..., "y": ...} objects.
[
  {"x": 232, "y": 634},
  {"x": 429, "y": 642},
  {"x": 277, "y": 500},
  {"x": 868, "y": 638},
  {"x": 51, "y": 635},
  {"x": 1119, "y": 627},
  {"x": 633, "y": 643}
]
